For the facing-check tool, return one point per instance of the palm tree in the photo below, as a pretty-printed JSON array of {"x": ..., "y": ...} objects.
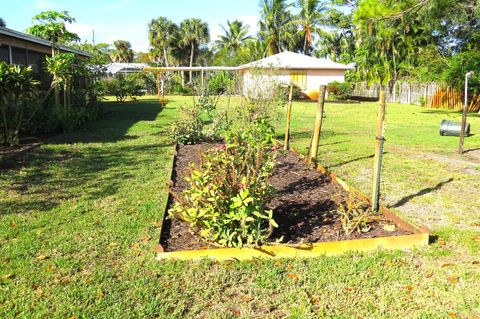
[
  {"x": 162, "y": 33},
  {"x": 309, "y": 18},
  {"x": 2, "y": 23},
  {"x": 193, "y": 33},
  {"x": 275, "y": 17},
  {"x": 123, "y": 52},
  {"x": 235, "y": 36}
]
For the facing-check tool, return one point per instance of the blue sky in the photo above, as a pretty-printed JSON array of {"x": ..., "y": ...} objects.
[{"x": 128, "y": 19}]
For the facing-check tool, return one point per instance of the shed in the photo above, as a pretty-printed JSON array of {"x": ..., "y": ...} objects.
[{"x": 305, "y": 72}]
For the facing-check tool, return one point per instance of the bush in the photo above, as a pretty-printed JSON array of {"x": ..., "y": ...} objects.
[
  {"x": 189, "y": 128},
  {"x": 228, "y": 191},
  {"x": 339, "y": 91},
  {"x": 121, "y": 87}
]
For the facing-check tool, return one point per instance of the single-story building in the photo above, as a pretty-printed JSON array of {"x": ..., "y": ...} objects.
[
  {"x": 24, "y": 49},
  {"x": 124, "y": 68},
  {"x": 305, "y": 72}
]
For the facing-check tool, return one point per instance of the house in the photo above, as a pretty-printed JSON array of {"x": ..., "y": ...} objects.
[
  {"x": 305, "y": 72},
  {"x": 24, "y": 49},
  {"x": 124, "y": 68}
]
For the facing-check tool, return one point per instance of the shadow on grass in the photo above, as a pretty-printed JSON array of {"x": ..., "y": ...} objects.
[
  {"x": 43, "y": 178},
  {"x": 422, "y": 192}
]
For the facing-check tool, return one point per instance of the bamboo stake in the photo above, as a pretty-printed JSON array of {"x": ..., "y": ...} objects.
[
  {"x": 289, "y": 115},
  {"x": 379, "y": 141},
  {"x": 318, "y": 125}
]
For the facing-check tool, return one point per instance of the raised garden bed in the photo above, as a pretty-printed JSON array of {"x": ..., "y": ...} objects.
[{"x": 304, "y": 208}]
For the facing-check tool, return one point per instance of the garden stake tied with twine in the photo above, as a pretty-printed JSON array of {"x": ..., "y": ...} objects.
[{"x": 318, "y": 126}]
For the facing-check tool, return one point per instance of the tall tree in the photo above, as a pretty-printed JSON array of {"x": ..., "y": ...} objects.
[
  {"x": 50, "y": 25},
  {"x": 275, "y": 18},
  {"x": 162, "y": 34},
  {"x": 123, "y": 52},
  {"x": 2, "y": 23},
  {"x": 193, "y": 33},
  {"x": 100, "y": 52},
  {"x": 235, "y": 36},
  {"x": 310, "y": 18}
]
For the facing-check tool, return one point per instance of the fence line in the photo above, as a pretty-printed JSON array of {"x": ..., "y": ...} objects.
[{"x": 434, "y": 95}]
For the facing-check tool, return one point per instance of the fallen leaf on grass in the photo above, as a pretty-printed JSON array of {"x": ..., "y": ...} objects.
[
  {"x": 39, "y": 292},
  {"x": 453, "y": 279},
  {"x": 429, "y": 275},
  {"x": 289, "y": 267},
  {"x": 101, "y": 295},
  {"x": 389, "y": 228},
  {"x": 441, "y": 242},
  {"x": 51, "y": 268},
  {"x": 475, "y": 262},
  {"x": 477, "y": 238},
  {"x": 314, "y": 300},
  {"x": 13, "y": 224},
  {"x": 408, "y": 287},
  {"x": 157, "y": 224},
  {"x": 236, "y": 312},
  {"x": 349, "y": 289},
  {"x": 147, "y": 238},
  {"x": 452, "y": 315},
  {"x": 247, "y": 298},
  {"x": 41, "y": 257},
  {"x": 293, "y": 276},
  {"x": 446, "y": 265}
]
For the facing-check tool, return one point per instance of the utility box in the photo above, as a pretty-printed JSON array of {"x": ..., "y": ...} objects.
[{"x": 450, "y": 128}]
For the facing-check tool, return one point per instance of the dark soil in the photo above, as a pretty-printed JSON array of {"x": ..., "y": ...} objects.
[
  {"x": 26, "y": 143},
  {"x": 304, "y": 207}
]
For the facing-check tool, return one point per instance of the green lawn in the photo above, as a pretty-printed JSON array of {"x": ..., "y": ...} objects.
[{"x": 78, "y": 229}]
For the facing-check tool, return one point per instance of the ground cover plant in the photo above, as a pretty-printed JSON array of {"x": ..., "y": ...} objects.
[{"x": 79, "y": 221}]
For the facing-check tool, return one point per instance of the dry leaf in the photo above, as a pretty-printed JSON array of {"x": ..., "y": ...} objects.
[
  {"x": 429, "y": 275},
  {"x": 247, "y": 298},
  {"x": 157, "y": 224},
  {"x": 236, "y": 312},
  {"x": 41, "y": 257},
  {"x": 293, "y": 276},
  {"x": 349, "y": 289},
  {"x": 453, "y": 279},
  {"x": 51, "y": 267},
  {"x": 477, "y": 238},
  {"x": 278, "y": 264},
  {"x": 314, "y": 300},
  {"x": 39, "y": 292},
  {"x": 389, "y": 228},
  {"x": 101, "y": 295},
  {"x": 452, "y": 315},
  {"x": 446, "y": 265},
  {"x": 408, "y": 287},
  {"x": 475, "y": 262},
  {"x": 441, "y": 242},
  {"x": 13, "y": 224},
  {"x": 289, "y": 267},
  {"x": 147, "y": 238}
]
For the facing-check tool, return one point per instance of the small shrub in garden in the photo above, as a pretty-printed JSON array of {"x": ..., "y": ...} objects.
[
  {"x": 122, "y": 87},
  {"x": 355, "y": 215},
  {"x": 189, "y": 128},
  {"x": 339, "y": 91},
  {"x": 228, "y": 191}
]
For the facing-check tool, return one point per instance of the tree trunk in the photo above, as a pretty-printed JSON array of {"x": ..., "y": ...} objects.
[
  {"x": 192, "y": 49},
  {"x": 165, "y": 56}
]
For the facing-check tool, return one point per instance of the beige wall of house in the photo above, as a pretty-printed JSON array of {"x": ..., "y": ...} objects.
[{"x": 255, "y": 82}]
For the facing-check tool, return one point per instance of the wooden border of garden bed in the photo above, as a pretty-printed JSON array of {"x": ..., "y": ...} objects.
[{"x": 420, "y": 237}]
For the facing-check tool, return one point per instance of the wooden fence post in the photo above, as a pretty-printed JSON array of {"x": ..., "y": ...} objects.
[
  {"x": 379, "y": 141},
  {"x": 289, "y": 115},
  {"x": 158, "y": 83},
  {"x": 318, "y": 125}
]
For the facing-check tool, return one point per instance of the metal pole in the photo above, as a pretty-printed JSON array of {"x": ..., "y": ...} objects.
[{"x": 464, "y": 114}]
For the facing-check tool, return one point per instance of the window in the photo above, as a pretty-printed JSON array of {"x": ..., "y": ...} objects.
[
  {"x": 19, "y": 56},
  {"x": 299, "y": 78},
  {"x": 4, "y": 54}
]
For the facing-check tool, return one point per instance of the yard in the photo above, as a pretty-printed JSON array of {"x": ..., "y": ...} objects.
[{"x": 79, "y": 221}]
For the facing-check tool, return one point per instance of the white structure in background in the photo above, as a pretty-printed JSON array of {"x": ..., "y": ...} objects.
[
  {"x": 124, "y": 68},
  {"x": 306, "y": 72}
]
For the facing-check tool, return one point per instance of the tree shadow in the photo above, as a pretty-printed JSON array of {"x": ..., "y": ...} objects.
[{"x": 422, "y": 192}]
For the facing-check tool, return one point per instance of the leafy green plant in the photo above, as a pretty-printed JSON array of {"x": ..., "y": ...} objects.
[
  {"x": 355, "y": 215},
  {"x": 225, "y": 201},
  {"x": 339, "y": 91},
  {"x": 121, "y": 87},
  {"x": 188, "y": 129},
  {"x": 17, "y": 91}
]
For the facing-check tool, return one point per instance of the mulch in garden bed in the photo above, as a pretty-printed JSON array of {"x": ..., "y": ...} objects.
[{"x": 304, "y": 206}]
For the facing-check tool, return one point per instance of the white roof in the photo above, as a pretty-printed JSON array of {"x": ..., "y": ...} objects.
[
  {"x": 113, "y": 68},
  {"x": 291, "y": 60}
]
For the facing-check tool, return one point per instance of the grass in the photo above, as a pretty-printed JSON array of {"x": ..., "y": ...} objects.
[{"x": 78, "y": 229}]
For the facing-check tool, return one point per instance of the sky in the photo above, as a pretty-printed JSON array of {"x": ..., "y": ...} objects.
[{"x": 128, "y": 19}]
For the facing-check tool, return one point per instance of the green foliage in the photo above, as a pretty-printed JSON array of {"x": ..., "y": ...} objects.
[
  {"x": 188, "y": 129},
  {"x": 339, "y": 90},
  {"x": 121, "y": 86},
  {"x": 122, "y": 52},
  {"x": 228, "y": 191},
  {"x": 459, "y": 65},
  {"x": 17, "y": 92},
  {"x": 50, "y": 25}
]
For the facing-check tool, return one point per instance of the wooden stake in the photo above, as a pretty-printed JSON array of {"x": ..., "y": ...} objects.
[
  {"x": 379, "y": 141},
  {"x": 318, "y": 125},
  {"x": 289, "y": 115}
]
